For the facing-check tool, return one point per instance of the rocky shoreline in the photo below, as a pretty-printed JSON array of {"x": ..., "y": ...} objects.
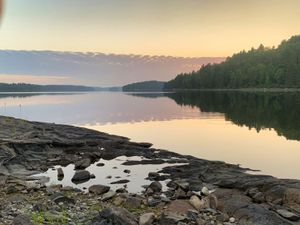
[{"x": 199, "y": 191}]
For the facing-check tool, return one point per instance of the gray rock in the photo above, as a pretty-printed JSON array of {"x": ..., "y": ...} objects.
[
  {"x": 118, "y": 216},
  {"x": 22, "y": 220},
  {"x": 81, "y": 176},
  {"x": 61, "y": 198},
  {"x": 82, "y": 164},
  {"x": 133, "y": 202},
  {"x": 147, "y": 219},
  {"x": 288, "y": 215},
  {"x": 99, "y": 189},
  {"x": 155, "y": 186},
  {"x": 108, "y": 195}
]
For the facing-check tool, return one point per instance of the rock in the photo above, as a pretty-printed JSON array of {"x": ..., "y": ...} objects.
[
  {"x": 288, "y": 215},
  {"x": 168, "y": 218},
  {"x": 81, "y": 176},
  {"x": 205, "y": 191},
  {"x": 100, "y": 164},
  {"x": 99, "y": 189},
  {"x": 108, "y": 195},
  {"x": 180, "y": 194},
  {"x": 180, "y": 207},
  {"x": 147, "y": 219},
  {"x": 60, "y": 174},
  {"x": 22, "y": 220},
  {"x": 119, "y": 200},
  {"x": 124, "y": 181},
  {"x": 182, "y": 184},
  {"x": 153, "y": 175},
  {"x": 60, "y": 198},
  {"x": 152, "y": 202},
  {"x": 292, "y": 198},
  {"x": 82, "y": 164},
  {"x": 231, "y": 219},
  {"x": 133, "y": 202},
  {"x": 118, "y": 216},
  {"x": 127, "y": 171},
  {"x": 196, "y": 202},
  {"x": 155, "y": 186}
]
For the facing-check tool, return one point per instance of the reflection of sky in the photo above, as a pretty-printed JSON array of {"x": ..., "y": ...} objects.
[
  {"x": 161, "y": 121},
  {"x": 113, "y": 168},
  {"x": 95, "y": 108}
]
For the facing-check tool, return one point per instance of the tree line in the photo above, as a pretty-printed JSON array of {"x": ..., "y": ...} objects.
[{"x": 257, "y": 68}]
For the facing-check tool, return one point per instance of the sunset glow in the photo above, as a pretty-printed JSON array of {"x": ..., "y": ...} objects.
[{"x": 169, "y": 27}]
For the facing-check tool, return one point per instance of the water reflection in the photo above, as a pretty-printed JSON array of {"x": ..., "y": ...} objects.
[{"x": 259, "y": 110}]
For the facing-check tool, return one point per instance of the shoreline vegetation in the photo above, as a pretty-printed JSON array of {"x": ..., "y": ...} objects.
[
  {"x": 199, "y": 191},
  {"x": 261, "y": 68}
]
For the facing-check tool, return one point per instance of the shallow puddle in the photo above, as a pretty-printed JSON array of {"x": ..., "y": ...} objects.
[{"x": 114, "y": 169}]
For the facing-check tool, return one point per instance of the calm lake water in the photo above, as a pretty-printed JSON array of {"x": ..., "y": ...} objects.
[{"x": 256, "y": 130}]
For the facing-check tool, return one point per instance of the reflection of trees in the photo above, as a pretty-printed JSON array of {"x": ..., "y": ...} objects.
[
  {"x": 259, "y": 110},
  {"x": 26, "y": 95}
]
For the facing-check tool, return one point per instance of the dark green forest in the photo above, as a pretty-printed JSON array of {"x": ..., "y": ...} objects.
[
  {"x": 20, "y": 87},
  {"x": 144, "y": 86},
  {"x": 257, "y": 68}
]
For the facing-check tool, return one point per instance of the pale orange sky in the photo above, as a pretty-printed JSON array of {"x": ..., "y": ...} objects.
[{"x": 169, "y": 27}]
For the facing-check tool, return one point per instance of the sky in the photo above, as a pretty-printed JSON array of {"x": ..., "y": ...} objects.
[{"x": 187, "y": 30}]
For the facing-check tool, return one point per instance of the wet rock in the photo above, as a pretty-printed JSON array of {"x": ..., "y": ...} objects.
[
  {"x": 288, "y": 215},
  {"x": 81, "y": 176},
  {"x": 144, "y": 162},
  {"x": 99, "y": 189},
  {"x": 153, "y": 175},
  {"x": 82, "y": 164},
  {"x": 60, "y": 174},
  {"x": 155, "y": 186},
  {"x": 127, "y": 171},
  {"x": 22, "y": 220},
  {"x": 124, "y": 181},
  {"x": 147, "y": 219}
]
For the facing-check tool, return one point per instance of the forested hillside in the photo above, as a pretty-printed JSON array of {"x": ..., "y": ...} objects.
[
  {"x": 258, "y": 68},
  {"x": 145, "y": 86},
  {"x": 41, "y": 88}
]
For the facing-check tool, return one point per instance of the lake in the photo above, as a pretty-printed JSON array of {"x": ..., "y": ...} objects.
[{"x": 258, "y": 130}]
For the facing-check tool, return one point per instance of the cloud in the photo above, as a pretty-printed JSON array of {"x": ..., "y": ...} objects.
[{"x": 96, "y": 69}]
